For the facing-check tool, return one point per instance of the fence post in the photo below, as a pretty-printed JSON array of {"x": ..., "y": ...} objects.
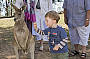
[{"x": 11, "y": 8}]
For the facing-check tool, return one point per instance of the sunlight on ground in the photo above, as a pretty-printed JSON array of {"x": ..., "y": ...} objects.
[
  {"x": 6, "y": 22},
  {"x": 61, "y": 21},
  {"x": 9, "y": 57},
  {"x": 14, "y": 56}
]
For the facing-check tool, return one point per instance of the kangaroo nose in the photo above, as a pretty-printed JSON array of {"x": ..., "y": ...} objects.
[{"x": 14, "y": 19}]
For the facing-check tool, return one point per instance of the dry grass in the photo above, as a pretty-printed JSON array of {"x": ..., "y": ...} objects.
[{"x": 6, "y": 28}]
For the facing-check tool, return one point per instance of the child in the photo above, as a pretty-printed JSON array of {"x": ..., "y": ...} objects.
[{"x": 56, "y": 35}]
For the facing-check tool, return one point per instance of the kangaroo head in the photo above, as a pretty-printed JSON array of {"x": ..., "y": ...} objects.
[{"x": 19, "y": 13}]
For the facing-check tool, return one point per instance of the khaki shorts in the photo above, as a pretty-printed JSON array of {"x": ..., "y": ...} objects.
[{"x": 79, "y": 35}]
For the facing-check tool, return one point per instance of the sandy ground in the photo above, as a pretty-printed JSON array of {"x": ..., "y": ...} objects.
[{"x": 6, "y": 47}]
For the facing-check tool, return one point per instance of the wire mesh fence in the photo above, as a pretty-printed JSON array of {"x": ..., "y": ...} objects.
[{"x": 6, "y": 10}]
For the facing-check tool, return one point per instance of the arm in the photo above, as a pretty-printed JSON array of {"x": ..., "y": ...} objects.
[
  {"x": 63, "y": 42},
  {"x": 38, "y": 30},
  {"x": 87, "y": 8},
  {"x": 65, "y": 16},
  {"x": 87, "y": 18},
  {"x": 65, "y": 12}
]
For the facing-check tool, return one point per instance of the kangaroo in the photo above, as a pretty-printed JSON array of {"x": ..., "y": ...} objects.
[{"x": 24, "y": 41}]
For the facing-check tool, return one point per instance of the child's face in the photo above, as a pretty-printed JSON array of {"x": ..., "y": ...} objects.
[{"x": 49, "y": 22}]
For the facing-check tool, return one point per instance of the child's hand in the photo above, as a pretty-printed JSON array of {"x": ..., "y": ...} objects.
[
  {"x": 56, "y": 47},
  {"x": 35, "y": 25}
]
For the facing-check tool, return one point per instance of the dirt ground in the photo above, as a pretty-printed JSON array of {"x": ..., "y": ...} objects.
[{"x": 6, "y": 47}]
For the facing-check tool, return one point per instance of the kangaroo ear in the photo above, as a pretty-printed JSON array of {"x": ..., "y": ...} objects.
[
  {"x": 23, "y": 7},
  {"x": 16, "y": 9}
]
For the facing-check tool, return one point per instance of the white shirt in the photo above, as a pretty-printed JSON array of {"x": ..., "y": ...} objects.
[{"x": 19, "y": 3}]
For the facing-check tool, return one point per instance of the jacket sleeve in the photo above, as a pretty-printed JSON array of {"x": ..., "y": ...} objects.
[
  {"x": 63, "y": 43},
  {"x": 42, "y": 32},
  {"x": 64, "y": 38}
]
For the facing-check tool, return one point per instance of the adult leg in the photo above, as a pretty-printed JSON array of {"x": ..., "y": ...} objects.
[
  {"x": 76, "y": 47},
  {"x": 83, "y": 49},
  {"x": 84, "y": 35},
  {"x": 74, "y": 36},
  {"x": 41, "y": 44}
]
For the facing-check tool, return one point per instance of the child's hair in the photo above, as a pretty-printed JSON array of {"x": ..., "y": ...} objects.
[{"x": 53, "y": 15}]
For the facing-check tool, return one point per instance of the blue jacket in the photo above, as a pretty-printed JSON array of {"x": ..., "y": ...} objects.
[{"x": 55, "y": 36}]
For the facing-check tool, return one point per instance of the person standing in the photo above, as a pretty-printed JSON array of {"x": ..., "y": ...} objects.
[
  {"x": 44, "y": 7},
  {"x": 77, "y": 17},
  {"x": 30, "y": 16}
]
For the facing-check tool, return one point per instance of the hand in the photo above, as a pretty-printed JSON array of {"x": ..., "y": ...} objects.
[
  {"x": 56, "y": 47},
  {"x": 86, "y": 23},
  {"x": 35, "y": 25}
]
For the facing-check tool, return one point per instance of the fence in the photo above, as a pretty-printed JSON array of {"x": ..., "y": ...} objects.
[{"x": 6, "y": 10}]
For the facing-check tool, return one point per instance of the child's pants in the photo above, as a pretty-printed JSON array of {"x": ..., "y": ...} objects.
[{"x": 59, "y": 56}]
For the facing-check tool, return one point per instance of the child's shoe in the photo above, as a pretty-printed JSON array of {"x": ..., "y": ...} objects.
[{"x": 41, "y": 48}]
